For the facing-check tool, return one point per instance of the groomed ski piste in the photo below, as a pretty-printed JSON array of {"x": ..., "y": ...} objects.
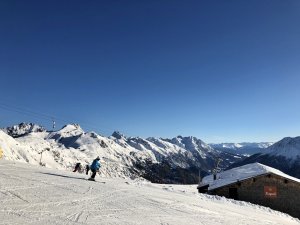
[{"x": 36, "y": 195}]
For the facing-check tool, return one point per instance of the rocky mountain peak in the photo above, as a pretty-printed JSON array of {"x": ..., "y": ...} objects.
[
  {"x": 22, "y": 129},
  {"x": 118, "y": 135}
]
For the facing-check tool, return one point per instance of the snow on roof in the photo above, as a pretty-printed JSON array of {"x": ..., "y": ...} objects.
[{"x": 242, "y": 173}]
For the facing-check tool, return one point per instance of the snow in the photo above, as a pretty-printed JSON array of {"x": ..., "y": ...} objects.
[
  {"x": 22, "y": 129},
  {"x": 242, "y": 173},
  {"x": 287, "y": 147},
  {"x": 68, "y": 131},
  {"x": 37, "y": 195},
  {"x": 236, "y": 146},
  {"x": 12, "y": 150},
  {"x": 72, "y": 144},
  {"x": 243, "y": 148},
  {"x": 193, "y": 144},
  {"x": 27, "y": 149},
  {"x": 233, "y": 146}
]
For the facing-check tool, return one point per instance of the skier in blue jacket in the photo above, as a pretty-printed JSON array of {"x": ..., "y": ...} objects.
[{"x": 95, "y": 167}]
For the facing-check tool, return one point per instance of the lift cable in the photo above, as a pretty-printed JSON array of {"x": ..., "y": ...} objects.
[{"x": 49, "y": 118}]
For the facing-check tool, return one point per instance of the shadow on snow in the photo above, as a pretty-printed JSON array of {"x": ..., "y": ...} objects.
[{"x": 60, "y": 175}]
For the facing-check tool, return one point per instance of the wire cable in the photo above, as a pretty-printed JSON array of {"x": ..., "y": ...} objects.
[{"x": 42, "y": 116}]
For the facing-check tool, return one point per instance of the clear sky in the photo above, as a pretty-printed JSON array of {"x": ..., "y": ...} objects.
[{"x": 223, "y": 71}]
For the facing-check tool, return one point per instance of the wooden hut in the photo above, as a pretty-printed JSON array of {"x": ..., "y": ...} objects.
[{"x": 258, "y": 184}]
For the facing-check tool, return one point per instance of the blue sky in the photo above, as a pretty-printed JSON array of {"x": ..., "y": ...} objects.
[{"x": 218, "y": 70}]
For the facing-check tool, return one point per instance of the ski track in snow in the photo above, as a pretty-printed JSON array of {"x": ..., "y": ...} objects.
[{"x": 34, "y": 195}]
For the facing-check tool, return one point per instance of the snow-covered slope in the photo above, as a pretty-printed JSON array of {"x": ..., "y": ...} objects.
[
  {"x": 193, "y": 144},
  {"x": 35, "y": 195},
  {"x": 287, "y": 147},
  {"x": 13, "y": 150}
]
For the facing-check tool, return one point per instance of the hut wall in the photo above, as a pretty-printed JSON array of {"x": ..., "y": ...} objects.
[{"x": 284, "y": 196}]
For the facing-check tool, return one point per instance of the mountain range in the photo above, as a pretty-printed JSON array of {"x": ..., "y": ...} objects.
[
  {"x": 161, "y": 160},
  {"x": 244, "y": 148},
  {"x": 283, "y": 155}
]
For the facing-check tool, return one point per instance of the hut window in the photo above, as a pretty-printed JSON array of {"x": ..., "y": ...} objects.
[
  {"x": 269, "y": 175},
  {"x": 239, "y": 183},
  {"x": 254, "y": 179},
  {"x": 285, "y": 181}
]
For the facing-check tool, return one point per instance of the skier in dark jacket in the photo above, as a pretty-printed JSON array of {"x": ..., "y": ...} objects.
[
  {"x": 95, "y": 168},
  {"x": 87, "y": 169},
  {"x": 77, "y": 167}
]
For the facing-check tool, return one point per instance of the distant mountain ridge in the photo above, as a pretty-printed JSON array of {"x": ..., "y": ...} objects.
[
  {"x": 244, "y": 148},
  {"x": 175, "y": 160},
  {"x": 283, "y": 155},
  {"x": 23, "y": 129}
]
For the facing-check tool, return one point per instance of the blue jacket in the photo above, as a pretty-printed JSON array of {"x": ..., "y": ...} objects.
[{"x": 95, "y": 165}]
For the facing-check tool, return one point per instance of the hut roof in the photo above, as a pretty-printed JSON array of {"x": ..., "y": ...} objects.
[{"x": 242, "y": 173}]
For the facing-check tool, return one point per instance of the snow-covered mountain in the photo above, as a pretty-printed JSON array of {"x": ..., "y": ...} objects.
[
  {"x": 23, "y": 129},
  {"x": 283, "y": 155},
  {"x": 288, "y": 147},
  {"x": 160, "y": 160},
  {"x": 244, "y": 148}
]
